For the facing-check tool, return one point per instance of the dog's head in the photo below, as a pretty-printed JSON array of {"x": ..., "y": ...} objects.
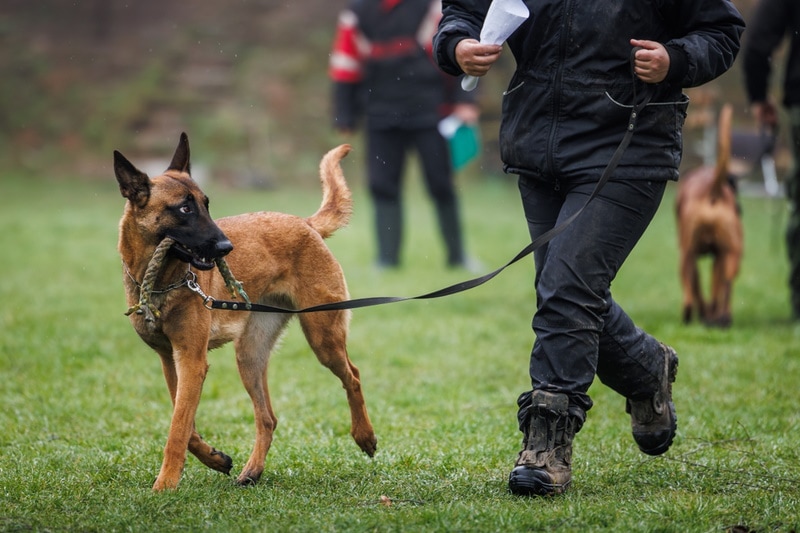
[{"x": 172, "y": 205}]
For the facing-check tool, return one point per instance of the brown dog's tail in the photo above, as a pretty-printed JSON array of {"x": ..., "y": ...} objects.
[
  {"x": 337, "y": 202},
  {"x": 721, "y": 171}
]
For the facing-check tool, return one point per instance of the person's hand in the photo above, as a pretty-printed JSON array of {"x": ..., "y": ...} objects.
[
  {"x": 467, "y": 113},
  {"x": 651, "y": 63},
  {"x": 475, "y": 58},
  {"x": 765, "y": 113}
]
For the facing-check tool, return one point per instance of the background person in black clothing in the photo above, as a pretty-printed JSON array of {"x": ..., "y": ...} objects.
[
  {"x": 382, "y": 69},
  {"x": 772, "y": 23}
]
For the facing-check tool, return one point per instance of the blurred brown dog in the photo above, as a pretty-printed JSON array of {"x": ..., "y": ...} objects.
[
  {"x": 709, "y": 223},
  {"x": 281, "y": 260}
]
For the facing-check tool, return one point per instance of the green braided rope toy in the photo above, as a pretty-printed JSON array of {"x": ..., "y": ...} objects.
[
  {"x": 145, "y": 305},
  {"x": 234, "y": 286}
]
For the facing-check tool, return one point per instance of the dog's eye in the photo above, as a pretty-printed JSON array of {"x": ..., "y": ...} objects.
[{"x": 185, "y": 209}]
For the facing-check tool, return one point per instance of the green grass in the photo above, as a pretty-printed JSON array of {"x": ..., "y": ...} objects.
[{"x": 85, "y": 410}]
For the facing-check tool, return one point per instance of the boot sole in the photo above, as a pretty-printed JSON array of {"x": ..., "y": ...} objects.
[{"x": 531, "y": 484}]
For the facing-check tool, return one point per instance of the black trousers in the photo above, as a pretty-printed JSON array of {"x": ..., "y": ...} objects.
[
  {"x": 793, "y": 226},
  {"x": 580, "y": 330},
  {"x": 387, "y": 152}
]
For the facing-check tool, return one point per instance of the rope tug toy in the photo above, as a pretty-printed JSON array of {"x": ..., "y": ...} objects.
[
  {"x": 234, "y": 285},
  {"x": 145, "y": 305}
]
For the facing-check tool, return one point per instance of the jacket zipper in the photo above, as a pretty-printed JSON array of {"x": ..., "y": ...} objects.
[{"x": 562, "y": 47}]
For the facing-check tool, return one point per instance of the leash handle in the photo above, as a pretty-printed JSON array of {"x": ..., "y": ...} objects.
[{"x": 475, "y": 282}]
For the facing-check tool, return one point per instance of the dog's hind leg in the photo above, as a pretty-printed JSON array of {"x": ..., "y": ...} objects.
[
  {"x": 326, "y": 333},
  {"x": 690, "y": 282},
  {"x": 700, "y": 303},
  {"x": 208, "y": 455},
  {"x": 253, "y": 349},
  {"x": 723, "y": 273}
]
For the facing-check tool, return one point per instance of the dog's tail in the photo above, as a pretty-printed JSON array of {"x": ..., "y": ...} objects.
[
  {"x": 337, "y": 202},
  {"x": 722, "y": 172}
]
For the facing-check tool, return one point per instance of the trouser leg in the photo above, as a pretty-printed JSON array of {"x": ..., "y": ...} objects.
[
  {"x": 793, "y": 225},
  {"x": 450, "y": 226},
  {"x": 438, "y": 173},
  {"x": 627, "y": 361},
  {"x": 576, "y": 322},
  {"x": 389, "y": 231},
  {"x": 386, "y": 150}
]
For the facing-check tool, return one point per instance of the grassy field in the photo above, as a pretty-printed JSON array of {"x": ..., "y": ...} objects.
[{"x": 85, "y": 409}]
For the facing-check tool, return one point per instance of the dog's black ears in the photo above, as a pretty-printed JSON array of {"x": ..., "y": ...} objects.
[
  {"x": 133, "y": 183},
  {"x": 180, "y": 160}
]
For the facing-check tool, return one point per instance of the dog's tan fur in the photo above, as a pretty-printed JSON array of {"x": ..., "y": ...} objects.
[
  {"x": 709, "y": 224},
  {"x": 281, "y": 260}
]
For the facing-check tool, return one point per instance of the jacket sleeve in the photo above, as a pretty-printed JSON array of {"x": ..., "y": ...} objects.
[
  {"x": 461, "y": 19},
  {"x": 767, "y": 29},
  {"x": 706, "y": 42},
  {"x": 346, "y": 73}
]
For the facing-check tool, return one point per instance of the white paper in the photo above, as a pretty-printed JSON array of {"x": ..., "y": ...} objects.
[
  {"x": 449, "y": 125},
  {"x": 503, "y": 17}
]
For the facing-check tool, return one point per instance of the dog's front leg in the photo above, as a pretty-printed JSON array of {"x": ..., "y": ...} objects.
[
  {"x": 207, "y": 454},
  {"x": 185, "y": 376}
]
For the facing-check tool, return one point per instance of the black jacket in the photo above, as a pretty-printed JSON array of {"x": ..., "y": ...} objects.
[
  {"x": 567, "y": 105},
  {"x": 773, "y": 20}
]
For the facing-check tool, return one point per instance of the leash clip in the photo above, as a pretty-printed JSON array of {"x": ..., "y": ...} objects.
[{"x": 192, "y": 285}]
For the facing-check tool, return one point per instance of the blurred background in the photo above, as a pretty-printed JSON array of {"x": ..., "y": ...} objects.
[{"x": 246, "y": 79}]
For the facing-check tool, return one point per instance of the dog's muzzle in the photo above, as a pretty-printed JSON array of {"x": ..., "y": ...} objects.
[
  {"x": 223, "y": 248},
  {"x": 202, "y": 259}
]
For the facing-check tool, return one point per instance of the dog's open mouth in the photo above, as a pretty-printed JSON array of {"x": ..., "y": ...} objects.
[{"x": 188, "y": 255}]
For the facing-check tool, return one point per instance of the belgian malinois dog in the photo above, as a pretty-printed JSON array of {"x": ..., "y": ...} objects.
[
  {"x": 280, "y": 259},
  {"x": 709, "y": 223}
]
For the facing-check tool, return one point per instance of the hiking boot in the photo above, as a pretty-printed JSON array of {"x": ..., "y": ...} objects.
[
  {"x": 653, "y": 420},
  {"x": 543, "y": 467}
]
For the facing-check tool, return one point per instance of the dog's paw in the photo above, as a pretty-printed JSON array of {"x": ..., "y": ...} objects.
[
  {"x": 218, "y": 461},
  {"x": 227, "y": 463},
  {"x": 721, "y": 322},
  {"x": 247, "y": 479},
  {"x": 369, "y": 445}
]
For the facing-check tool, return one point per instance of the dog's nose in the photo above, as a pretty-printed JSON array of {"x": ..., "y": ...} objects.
[{"x": 222, "y": 248}]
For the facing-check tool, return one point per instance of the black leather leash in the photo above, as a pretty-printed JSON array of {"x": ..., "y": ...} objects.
[{"x": 546, "y": 237}]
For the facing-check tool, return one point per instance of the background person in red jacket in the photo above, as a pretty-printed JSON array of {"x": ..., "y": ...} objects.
[{"x": 383, "y": 72}]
